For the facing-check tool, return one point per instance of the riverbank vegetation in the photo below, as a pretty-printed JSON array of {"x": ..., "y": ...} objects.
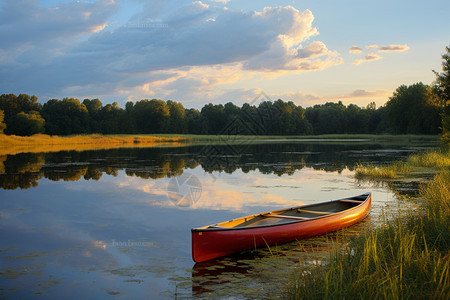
[
  {"x": 406, "y": 258},
  {"x": 412, "y": 110},
  {"x": 416, "y": 162},
  {"x": 12, "y": 144}
]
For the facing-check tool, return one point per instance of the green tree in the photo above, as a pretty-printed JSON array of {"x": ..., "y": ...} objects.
[
  {"x": 151, "y": 116},
  {"x": 93, "y": 106},
  {"x": 213, "y": 118},
  {"x": 414, "y": 109},
  {"x": 110, "y": 117},
  {"x": 2, "y": 125},
  {"x": 68, "y": 116},
  {"x": 12, "y": 105},
  {"x": 27, "y": 124},
  {"x": 177, "y": 119},
  {"x": 327, "y": 118},
  {"x": 193, "y": 121},
  {"x": 442, "y": 88}
]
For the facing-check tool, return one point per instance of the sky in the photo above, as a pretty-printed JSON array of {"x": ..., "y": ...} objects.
[{"x": 218, "y": 51}]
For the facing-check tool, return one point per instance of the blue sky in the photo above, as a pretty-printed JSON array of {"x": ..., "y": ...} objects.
[{"x": 197, "y": 52}]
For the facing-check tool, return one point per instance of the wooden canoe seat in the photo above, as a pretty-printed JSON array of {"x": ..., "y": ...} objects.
[
  {"x": 313, "y": 212},
  {"x": 351, "y": 201},
  {"x": 285, "y": 217}
]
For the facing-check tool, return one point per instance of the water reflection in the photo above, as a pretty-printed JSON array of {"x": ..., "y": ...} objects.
[
  {"x": 100, "y": 224},
  {"x": 248, "y": 271},
  {"x": 27, "y": 169}
]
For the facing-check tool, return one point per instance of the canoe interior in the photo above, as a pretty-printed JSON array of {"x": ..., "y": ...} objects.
[{"x": 300, "y": 213}]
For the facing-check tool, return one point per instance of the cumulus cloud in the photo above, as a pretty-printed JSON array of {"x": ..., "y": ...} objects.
[
  {"x": 394, "y": 48},
  {"x": 25, "y": 24},
  {"x": 169, "y": 49},
  {"x": 355, "y": 49},
  {"x": 369, "y": 57},
  {"x": 372, "y": 47}
]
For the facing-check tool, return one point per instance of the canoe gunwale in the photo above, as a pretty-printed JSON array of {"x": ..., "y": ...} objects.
[{"x": 216, "y": 227}]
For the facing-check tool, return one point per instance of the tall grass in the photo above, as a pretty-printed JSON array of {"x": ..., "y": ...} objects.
[
  {"x": 430, "y": 159},
  {"x": 11, "y": 144},
  {"x": 394, "y": 170},
  {"x": 407, "y": 258}
]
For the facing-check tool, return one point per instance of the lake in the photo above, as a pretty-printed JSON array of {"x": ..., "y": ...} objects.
[{"x": 116, "y": 223}]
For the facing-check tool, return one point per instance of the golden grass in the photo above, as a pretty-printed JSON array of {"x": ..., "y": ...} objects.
[
  {"x": 438, "y": 160},
  {"x": 406, "y": 258},
  {"x": 11, "y": 144},
  {"x": 395, "y": 170}
]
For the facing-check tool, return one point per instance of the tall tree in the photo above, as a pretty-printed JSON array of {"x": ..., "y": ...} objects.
[
  {"x": 414, "y": 109},
  {"x": 442, "y": 88},
  {"x": 177, "y": 117},
  {"x": 68, "y": 116}
]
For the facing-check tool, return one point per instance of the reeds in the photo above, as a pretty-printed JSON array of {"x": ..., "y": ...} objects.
[
  {"x": 394, "y": 170},
  {"x": 431, "y": 159},
  {"x": 407, "y": 258}
]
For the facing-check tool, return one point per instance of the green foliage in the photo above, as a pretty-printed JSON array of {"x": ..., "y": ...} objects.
[
  {"x": 332, "y": 118},
  {"x": 443, "y": 79},
  {"x": 69, "y": 116},
  {"x": 442, "y": 89},
  {"x": 65, "y": 117},
  {"x": 414, "y": 109},
  {"x": 27, "y": 124}
]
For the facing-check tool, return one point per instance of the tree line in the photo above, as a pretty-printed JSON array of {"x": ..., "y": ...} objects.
[{"x": 414, "y": 109}]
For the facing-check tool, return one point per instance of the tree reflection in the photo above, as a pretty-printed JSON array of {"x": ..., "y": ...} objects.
[{"x": 25, "y": 170}]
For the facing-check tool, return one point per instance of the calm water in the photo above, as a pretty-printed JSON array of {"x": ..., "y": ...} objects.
[{"x": 116, "y": 223}]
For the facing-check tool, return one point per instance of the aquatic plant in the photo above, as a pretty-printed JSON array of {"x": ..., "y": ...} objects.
[{"x": 406, "y": 258}]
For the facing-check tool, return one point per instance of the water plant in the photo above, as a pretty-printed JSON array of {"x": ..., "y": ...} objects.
[{"x": 405, "y": 258}]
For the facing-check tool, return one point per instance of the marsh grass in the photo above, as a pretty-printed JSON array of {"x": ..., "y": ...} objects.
[
  {"x": 430, "y": 160},
  {"x": 11, "y": 144},
  {"x": 406, "y": 258},
  {"x": 394, "y": 170}
]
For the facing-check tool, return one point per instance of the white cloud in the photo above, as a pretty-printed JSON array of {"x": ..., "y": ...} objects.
[
  {"x": 170, "y": 49},
  {"x": 355, "y": 49},
  {"x": 369, "y": 57},
  {"x": 394, "y": 48}
]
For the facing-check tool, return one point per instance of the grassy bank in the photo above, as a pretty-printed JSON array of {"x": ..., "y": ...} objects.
[
  {"x": 45, "y": 143},
  {"x": 11, "y": 144},
  {"x": 407, "y": 258}
]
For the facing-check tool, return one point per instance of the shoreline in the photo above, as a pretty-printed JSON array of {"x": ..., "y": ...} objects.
[
  {"x": 383, "y": 262},
  {"x": 11, "y": 144}
]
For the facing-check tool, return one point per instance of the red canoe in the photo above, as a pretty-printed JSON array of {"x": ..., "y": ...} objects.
[{"x": 276, "y": 227}]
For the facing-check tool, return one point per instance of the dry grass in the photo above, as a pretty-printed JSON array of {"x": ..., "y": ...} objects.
[
  {"x": 395, "y": 170},
  {"x": 11, "y": 144}
]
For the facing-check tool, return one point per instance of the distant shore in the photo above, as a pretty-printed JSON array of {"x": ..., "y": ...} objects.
[{"x": 11, "y": 144}]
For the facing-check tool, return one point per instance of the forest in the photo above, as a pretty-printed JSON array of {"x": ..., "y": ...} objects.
[{"x": 413, "y": 109}]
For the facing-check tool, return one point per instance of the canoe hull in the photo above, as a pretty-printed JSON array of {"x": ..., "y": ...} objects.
[{"x": 208, "y": 244}]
